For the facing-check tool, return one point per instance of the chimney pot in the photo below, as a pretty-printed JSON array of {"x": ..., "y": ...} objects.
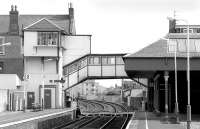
[
  {"x": 12, "y": 7},
  {"x": 70, "y": 5},
  {"x": 15, "y": 8}
]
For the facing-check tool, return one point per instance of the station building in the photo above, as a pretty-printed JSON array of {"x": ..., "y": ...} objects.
[
  {"x": 157, "y": 63},
  {"x": 40, "y": 46}
]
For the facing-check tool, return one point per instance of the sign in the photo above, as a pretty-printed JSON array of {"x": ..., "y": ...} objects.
[
  {"x": 26, "y": 77},
  {"x": 60, "y": 81}
]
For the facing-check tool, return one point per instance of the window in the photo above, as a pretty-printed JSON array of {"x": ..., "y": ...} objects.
[
  {"x": 172, "y": 45},
  {"x": 119, "y": 60},
  {"x": 47, "y": 38},
  {"x": 94, "y": 60},
  {"x": 83, "y": 63},
  {"x": 111, "y": 60},
  {"x": 2, "y": 47},
  {"x": 197, "y": 44},
  {"x": 185, "y": 30},
  {"x": 182, "y": 45},
  {"x": 73, "y": 67},
  {"x": 104, "y": 60},
  {"x": 108, "y": 60}
]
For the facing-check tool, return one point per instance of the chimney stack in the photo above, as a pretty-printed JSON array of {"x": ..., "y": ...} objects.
[
  {"x": 172, "y": 25},
  {"x": 71, "y": 19},
  {"x": 71, "y": 10},
  {"x": 13, "y": 25}
]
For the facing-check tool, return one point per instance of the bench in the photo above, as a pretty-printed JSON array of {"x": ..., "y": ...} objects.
[{"x": 36, "y": 107}]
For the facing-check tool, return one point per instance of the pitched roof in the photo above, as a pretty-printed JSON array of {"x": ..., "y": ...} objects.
[
  {"x": 44, "y": 25},
  {"x": 158, "y": 49},
  {"x": 25, "y": 20}
]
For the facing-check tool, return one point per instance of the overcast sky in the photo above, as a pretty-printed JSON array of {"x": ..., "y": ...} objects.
[{"x": 116, "y": 26}]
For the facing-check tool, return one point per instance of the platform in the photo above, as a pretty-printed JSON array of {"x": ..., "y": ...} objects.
[
  {"x": 13, "y": 118},
  {"x": 148, "y": 120}
]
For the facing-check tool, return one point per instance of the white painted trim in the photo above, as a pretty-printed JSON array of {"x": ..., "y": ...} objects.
[
  {"x": 146, "y": 123},
  {"x": 34, "y": 23},
  {"x": 54, "y": 24},
  {"x": 34, "y": 118},
  {"x": 40, "y": 21},
  {"x": 129, "y": 123}
]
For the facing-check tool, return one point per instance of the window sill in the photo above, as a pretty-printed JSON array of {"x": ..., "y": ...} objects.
[{"x": 46, "y": 46}]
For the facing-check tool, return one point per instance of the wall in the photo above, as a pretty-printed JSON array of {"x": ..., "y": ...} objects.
[
  {"x": 13, "y": 56},
  {"x": 33, "y": 67},
  {"x": 9, "y": 81},
  {"x": 76, "y": 46}
]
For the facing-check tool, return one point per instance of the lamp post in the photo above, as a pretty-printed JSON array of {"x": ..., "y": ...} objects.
[
  {"x": 175, "y": 72},
  {"x": 188, "y": 78},
  {"x": 176, "y": 90},
  {"x": 188, "y": 75}
]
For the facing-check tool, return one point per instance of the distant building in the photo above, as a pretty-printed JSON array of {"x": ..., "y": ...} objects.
[
  {"x": 134, "y": 93},
  {"x": 88, "y": 90}
]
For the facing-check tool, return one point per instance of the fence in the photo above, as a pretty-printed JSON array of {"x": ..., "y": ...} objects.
[
  {"x": 11, "y": 100},
  {"x": 3, "y": 100}
]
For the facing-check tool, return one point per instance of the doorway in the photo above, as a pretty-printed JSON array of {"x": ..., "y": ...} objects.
[
  {"x": 47, "y": 98},
  {"x": 30, "y": 99}
]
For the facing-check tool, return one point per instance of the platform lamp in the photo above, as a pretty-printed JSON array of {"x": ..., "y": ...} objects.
[
  {"x": 188, "y": 73},
  {"x": 175, "y": 72}
]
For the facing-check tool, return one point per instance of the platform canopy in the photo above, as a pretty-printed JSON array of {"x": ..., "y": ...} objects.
[{"x": 159, "y": 56}]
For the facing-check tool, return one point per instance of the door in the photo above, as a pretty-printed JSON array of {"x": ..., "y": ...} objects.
[
  {"x": 47, "y": 98},
  {"x": 30, "y": 99}
]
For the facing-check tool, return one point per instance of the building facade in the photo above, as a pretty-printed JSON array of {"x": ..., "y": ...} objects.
[
  {"x": 43, "y": 42},
  {"x": 35, "y": 54}
]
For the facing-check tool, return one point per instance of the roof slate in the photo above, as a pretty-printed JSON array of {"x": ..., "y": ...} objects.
[
  {"x": 158, "y": 49},
  {"x": 25, "y": 20}
]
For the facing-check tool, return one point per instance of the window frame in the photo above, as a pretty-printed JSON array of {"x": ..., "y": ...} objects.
[
  {"x": 108, "y": 60},
  {"x": 94, "y": 60},
  {"x": 44, "y": 40}
]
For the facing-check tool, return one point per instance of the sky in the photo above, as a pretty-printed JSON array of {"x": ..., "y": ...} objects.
[{"x": 116, "y": 26}]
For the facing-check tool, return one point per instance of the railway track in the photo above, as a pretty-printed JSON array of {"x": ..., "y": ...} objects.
[{"x": 116, "y": 117}]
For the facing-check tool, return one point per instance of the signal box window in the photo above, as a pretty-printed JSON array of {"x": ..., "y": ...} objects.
[{"x": 47, "y": 38}]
